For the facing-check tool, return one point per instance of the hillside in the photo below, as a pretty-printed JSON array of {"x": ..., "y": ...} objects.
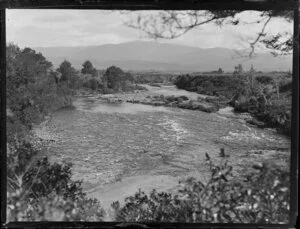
[{"x": 139, "y": 55}]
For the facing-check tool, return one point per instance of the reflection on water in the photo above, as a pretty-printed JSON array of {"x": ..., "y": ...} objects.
[{"x": 89, "y": 104}]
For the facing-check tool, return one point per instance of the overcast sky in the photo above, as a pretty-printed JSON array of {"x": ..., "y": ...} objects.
[{"x": 44, "y": 28}]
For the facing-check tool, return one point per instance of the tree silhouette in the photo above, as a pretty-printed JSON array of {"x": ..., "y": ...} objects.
[
  {"x": 88, "y": 68},
  {"x": 66, "y": 70}
]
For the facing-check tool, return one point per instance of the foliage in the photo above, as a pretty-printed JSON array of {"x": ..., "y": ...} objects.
[
  {"x": 220, "y": 71},
  {"x": 264, "y": 79},
  {"x": 52, "y": 208},
  {"x": 220, "y": 85},
  {"x": 66, "y": 70},
  {"x": 262, "y": 198},
  {"x": 266, "y": 98},
  {"x": 88, "y": 68},
  {"x": 238, "y": 69},
  {"x": 117, "y": 80},
  {"x": 38, "y": 190},
  {"x": 32, "y": 90}
]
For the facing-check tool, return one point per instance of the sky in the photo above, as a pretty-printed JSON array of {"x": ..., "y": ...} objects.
[{"x": 48, "y": 28}]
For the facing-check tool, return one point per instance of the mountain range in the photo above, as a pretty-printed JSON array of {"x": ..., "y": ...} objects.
[{"x": 145, "y": 56}]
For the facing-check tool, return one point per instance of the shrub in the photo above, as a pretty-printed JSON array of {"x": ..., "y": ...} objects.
[
  {"x": 38, "y": 190},
  {"x": 262, "y": 198},
  {"x": 265, "y": 79},
  {"x": 286, "y": 87},
  {"x": 52, "y": 208}
]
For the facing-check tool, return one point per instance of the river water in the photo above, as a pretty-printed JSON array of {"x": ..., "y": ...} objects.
[{"x": 118, "y": 148}]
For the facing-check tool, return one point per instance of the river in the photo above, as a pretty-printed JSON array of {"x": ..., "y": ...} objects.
[{"x": 118, "y": 148}]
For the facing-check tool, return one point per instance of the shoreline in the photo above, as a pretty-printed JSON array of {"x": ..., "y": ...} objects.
[{"x": 187, "y": 100}]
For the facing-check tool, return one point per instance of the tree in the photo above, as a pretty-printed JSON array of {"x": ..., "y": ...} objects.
[
  {"x": 238, "y": 69},
  {"x": 88, "y": 68},
  {"x": 25, "y": 66},
  {"x": 115, "y": 78},
  {"x": 66, "y": 70},
  {"x": 251, "y": 73},
  {"x": 183, "y": 81},
  {"x": 173, "y": 24},
  {"x": 220, "y": 71}
]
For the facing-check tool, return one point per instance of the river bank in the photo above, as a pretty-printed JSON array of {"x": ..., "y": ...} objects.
[{"x": 170, "y": 96}]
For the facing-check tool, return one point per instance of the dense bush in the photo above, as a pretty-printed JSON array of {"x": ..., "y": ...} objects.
[
  {"x": 38, "y": 190},
  {"x": 52, "y": 208},
  {"x": 117, "y": 80},
  {"x": 265, "y": 79},
  {"x": 32, "y": 88},
  {"x": 218, "y": 85},
  {"x": 262, "y": 198}
]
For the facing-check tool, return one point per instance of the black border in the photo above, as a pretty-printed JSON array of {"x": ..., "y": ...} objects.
[{"x": 154, "y": 5}]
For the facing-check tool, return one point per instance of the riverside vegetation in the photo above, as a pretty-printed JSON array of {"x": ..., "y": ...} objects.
[
  {"x": 39, "y": 190},
  {"x": 267, "y": 98}
]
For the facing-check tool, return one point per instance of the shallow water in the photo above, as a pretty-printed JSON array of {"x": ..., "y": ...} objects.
[
  {"x": 84, "y": 104},
  {"x": 109, "y": 143}
]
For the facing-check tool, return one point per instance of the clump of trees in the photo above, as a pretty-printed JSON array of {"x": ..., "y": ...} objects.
[
  {"x": 217, "y": 85},
  {"x": 33, "y": 90},
  {"x": 116, "y": 79}
]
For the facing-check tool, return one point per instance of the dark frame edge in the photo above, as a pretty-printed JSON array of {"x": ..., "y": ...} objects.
[
  {"x": 3, "y": 115},
  {"x": 294, "y": 164},
  {"x": 295, "y": 122},
  {"x": 152, "y": 4}
]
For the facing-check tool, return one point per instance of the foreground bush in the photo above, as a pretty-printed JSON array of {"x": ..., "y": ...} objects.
[
  {"x": 262, "y": 198},
  {"x": 39, "y": 190},
  {"x": 52, "y": 208}
]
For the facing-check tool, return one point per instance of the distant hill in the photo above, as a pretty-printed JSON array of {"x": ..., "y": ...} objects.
[{"x": 141, "y": 56}]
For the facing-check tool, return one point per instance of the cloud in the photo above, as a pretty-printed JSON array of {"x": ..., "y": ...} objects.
[{"x": 95, "y": 27}]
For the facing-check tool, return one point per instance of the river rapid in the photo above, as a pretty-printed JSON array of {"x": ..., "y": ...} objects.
[{"x": 118, "y": 148}]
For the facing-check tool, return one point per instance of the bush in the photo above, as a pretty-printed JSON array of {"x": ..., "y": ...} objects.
[
  {"x": 263, "y": 198},
  {"x": 38, "y": 190},
  {"x": 265, "y": 79},
  {"x": 286, "y": 87},
  {"x": 52, "y": 208},
  {"x": 218, "y": 85}
]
